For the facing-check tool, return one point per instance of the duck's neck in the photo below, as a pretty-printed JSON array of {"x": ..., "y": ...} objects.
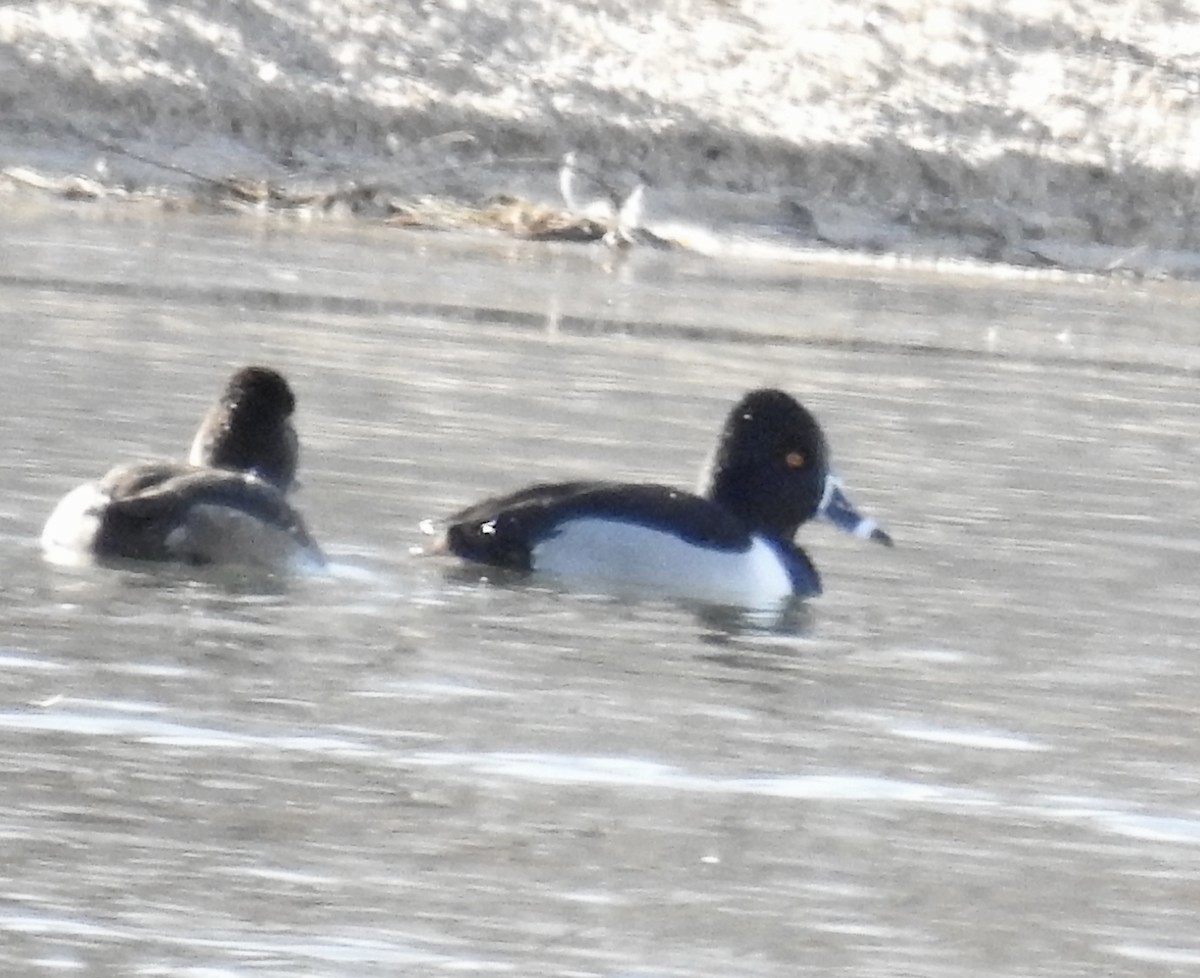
[{"x": 757, "y": 505}]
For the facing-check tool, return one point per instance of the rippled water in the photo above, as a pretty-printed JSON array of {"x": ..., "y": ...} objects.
[{"x": 976, "y": 754}]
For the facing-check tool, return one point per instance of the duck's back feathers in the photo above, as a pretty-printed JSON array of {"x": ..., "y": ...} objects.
[
  {"x": 503, "y": 530},
  {"x": 171, "y": 511}
]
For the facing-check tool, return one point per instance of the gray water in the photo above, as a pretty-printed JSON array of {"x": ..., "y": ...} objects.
[{"x": 977, "y": 754}]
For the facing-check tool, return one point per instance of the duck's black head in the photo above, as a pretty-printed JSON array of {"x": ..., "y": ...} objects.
[
  {"x": 250, "y": 430},
  {"x": 771, "y": 469},
  {"x": 770, "y": 464}
]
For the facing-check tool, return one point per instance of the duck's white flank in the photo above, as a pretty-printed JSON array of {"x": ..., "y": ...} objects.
[{"x": 630, "y": 557}]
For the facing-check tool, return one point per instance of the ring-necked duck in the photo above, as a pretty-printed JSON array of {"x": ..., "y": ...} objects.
[
  {"x": 732, "y": 544},
  {"x": 226, "y": 504}
]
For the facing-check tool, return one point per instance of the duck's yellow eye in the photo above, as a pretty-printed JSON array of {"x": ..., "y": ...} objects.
[{"x": 794, "y": 460}]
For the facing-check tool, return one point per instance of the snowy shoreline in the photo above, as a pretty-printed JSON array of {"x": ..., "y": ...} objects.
[{"x": 1064, "y": 138}]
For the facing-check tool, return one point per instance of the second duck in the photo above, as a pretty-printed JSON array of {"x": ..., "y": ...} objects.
[{"x": 226, "y": 504}]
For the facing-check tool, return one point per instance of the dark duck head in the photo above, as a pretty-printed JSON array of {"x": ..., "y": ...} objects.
[
  {"x": 250, "y": 429},
  {"x": 771, "y": 470}
]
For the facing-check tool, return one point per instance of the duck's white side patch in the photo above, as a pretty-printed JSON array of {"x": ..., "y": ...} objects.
[
  {"x": 629, "y": 557},
  {"x": 70, "y": 533}
]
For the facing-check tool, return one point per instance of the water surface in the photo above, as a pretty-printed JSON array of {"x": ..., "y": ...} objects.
[{"x": 976, "y": 754}]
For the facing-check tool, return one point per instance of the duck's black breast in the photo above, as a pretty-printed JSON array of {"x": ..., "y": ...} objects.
[{"x": 503, "y": 530}]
